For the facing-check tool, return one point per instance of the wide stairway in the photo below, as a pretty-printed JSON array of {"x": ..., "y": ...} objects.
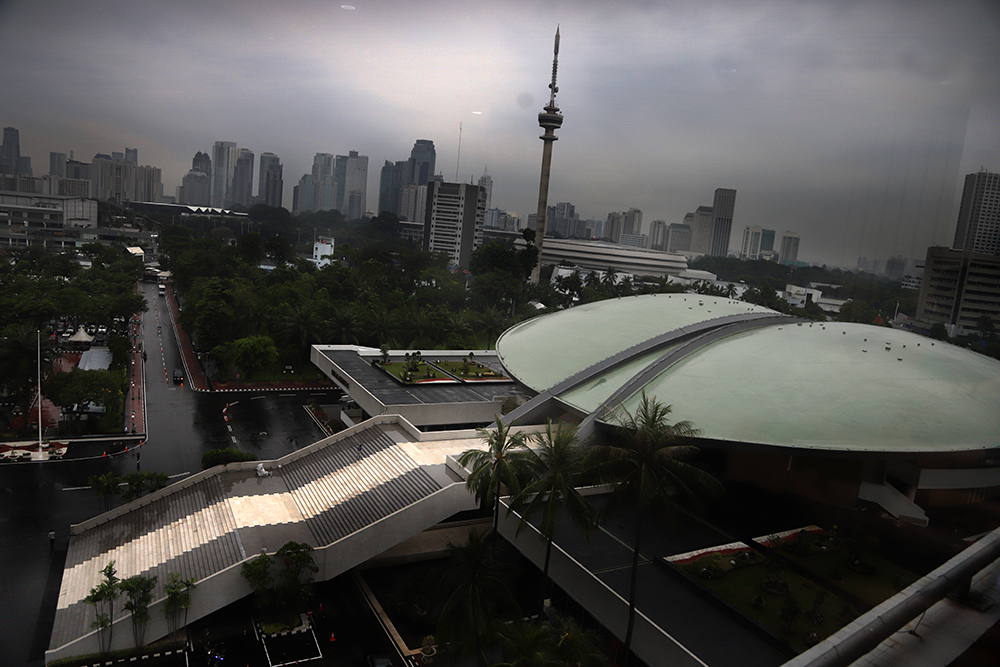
[{"x": 350, "y": 496}]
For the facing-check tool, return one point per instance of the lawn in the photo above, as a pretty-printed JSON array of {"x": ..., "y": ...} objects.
[
  {"x": 422, "y": 372},
  {"x": 471, "y": 371},
  {"x": 788, "y": 604}
]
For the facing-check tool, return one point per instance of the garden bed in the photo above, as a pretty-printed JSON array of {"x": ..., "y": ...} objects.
[{"x": 468, "y": 370}]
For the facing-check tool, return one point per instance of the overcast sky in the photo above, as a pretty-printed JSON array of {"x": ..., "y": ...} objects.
[{"x": 851, "y": 123}]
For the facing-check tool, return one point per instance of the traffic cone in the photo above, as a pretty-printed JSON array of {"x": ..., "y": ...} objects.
[{"x": 332, "y": 637}]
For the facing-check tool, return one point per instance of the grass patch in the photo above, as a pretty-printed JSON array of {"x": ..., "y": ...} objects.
[{"x": 470, "y": 370}]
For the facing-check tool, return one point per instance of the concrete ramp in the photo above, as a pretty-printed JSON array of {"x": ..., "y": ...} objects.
[{"x": 350, "y": 496}]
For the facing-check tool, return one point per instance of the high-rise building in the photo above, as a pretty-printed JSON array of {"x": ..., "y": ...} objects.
[
  {"x": 750, "y": 249},
  {"x": 351, "y": 172},
  {"x": 766, "y": 240},
  {"x": 393, "y": 178},
  {"x": 789, "y": 253},
  {"x": 455, "y": 214},
  {"x": 224, "y": 157},
  {"x": 632, "y": 222},
  {"x": 978, "y": 227},
  {"x": 132, "y": 155},
  {"x": 678, "y": 238},
  {"x": 57, "y": 164},
  {"x": 723, "y": 207},
  {"x": 323, "y": 165},
  {"x": 10, "y": 151},
  {"x": 700, "y": 223},
  {"x": 958, "y": 288},
  {"x": 196, "y": 189},
  {"x": 243, "y": 178},
  {"x": 202, "y": 162},
  {"x": 614, "y": 226},
  {"x": 658, "y": 233},
  {"x": 119, "y": 181},
  {"x": 423, "y": 157},
  {"x": 486, "y": 183},
  {"x": 273, "y": 182},
  {"x": 266, "y": 160}
]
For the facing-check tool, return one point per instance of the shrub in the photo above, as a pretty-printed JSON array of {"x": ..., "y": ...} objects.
[{"x": 218, "y": 457}]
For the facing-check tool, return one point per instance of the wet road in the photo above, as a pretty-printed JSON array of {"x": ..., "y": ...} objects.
[{"x": 181, "y": 425}]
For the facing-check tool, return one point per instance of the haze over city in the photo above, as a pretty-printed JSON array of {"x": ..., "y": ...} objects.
[{"x": 852, "y": 125}]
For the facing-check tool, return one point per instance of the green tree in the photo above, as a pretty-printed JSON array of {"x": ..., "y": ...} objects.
[
  {"x": 102, "y": 597},
  {"x": 554, "y": 467},
  {"x": 253, "y": 354},
  {"x": 647, "y": 463},
  {"x": 19, "y": 349},
  {"x": 142, "y": 482},
  {"x": 138, "y": 592},
  {"x": 257, "y": 572},
  {"x": 295, "y": 587},
  {"x": 106, "y": 487},
  {"x": 178, "y": 602},
  {"x": 498, "y": 465}
]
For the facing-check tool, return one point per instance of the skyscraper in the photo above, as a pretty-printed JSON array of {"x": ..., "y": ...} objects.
[
  {"x": 658, "y": 232},
  {"x": 454, "y": 222},
  {"x": 132, "y": 155},
  {"x": 266, "y": 159},
  {"x": 273, "y": 182},
  {"x": 632, "y": 222},
  {"x": 57, "y": 164},
  {"x": 767, "y": 240},
  {"x": 224, "y": 156},
  {"x": 423, "y": 156},
  {"x": 243, "y": 178},
  {"x": 978, "y": 227},
  {"x": 10, "y": 152},
  {"x": 722, "y": 221},
  {"x": 701, "y": 229},
  {"x": 789, "y": 253},
  {"x": 486, "y": 183},
  {"x": 750, "y": 249},
  {"x": 351, "y": 172},
  {"x": 550, "y": 120}
]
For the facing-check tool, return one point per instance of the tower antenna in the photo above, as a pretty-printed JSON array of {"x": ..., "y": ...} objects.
[{"x": 550, "y": 120}]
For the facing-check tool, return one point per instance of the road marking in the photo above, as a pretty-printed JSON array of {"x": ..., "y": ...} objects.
[
  {"x": 230, "y": 427},
  {"x": 257, "y": 398},
  {"x": 232, "y": 404},
  {"x": 234, "y": 439},
  {"x": 286, "y": 394}
]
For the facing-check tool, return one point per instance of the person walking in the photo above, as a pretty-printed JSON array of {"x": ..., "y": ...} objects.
[{"x": 52, "y": 540}]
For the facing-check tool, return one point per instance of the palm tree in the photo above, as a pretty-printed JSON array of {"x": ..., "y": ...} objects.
[
  {"x": 343, "y": 325},
  {"x": 178, "y": 590},
  {"x": 554, "y": 467},
  {"x": 527, "y": 644},
  {"x": 476, "y": 591},
  {"x": 497, "y": 465},
  {"x": 493, "y": 323},
  {"x": 103, "y": 597},
  {"x": 139, "y": 593},
  {"x": 300, "y": 325},
  {"x": 647, "y": 464}
]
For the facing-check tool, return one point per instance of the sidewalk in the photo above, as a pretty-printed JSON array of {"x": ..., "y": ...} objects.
[{"x": 135, "y": 405}]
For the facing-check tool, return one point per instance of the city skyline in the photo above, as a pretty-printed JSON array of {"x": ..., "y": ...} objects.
[{"x": 853, "y": 126}]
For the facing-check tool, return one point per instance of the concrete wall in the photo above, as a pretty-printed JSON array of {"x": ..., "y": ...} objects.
[{"x": 649, "y": 641}]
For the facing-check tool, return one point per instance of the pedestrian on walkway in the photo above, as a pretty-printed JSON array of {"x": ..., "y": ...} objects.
[
  {"x": 357, "y": 455},
  {"x": 52, "y": 540},
  {"x": 138, "y": 455}
]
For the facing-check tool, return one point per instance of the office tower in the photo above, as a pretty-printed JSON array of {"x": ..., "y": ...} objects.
[
  {"x": 422, "y": 165},
  {"x": 486, "y": 183},
  {"x": 57, "y": 164},
  {"x": 266, "y": 159},
  {"x": 118, "y": 156},
  {"x": 273, "y": 182},
  {"x": 393, "y": 178},
  {"x": 895, "y": 267},
  {"x": 978, "y": 227},
  {"x": 789, "y": 252},
  {"x": 455, "y": 214},
  {"x": 203, "y": 163},
  {"x": 10, "y": 152},
  {"x": 323, "y": 166},
  {"x": 722, "y": 221},
  {"x": 196, "y": 189},
  {"x": 750, "y": 249},
  {"x": 132, "y": 155},
  {"x": 701, "y": 229},
  {"x": 243, "y": 178},
  {"x": 959, "y": 287},
  {"x": 614, "y": 227},
  {"x": 224, "y": 156},
  {"x": 632, "y": 222},
  {"x": 658, "y": 232},
  {"x": 767, "y": 240},
  {"x": 550, "y": 120},
  {"x": 351, "y": 172},
  {"x": 678, "y": 238}
]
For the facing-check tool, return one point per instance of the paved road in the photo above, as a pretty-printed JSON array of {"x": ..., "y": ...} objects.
[{"x": 182, "y": 425}]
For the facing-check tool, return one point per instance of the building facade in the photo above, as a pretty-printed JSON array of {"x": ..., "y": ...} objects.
[
  {"x": 454, "y": 220},
  {"x": 723, "y": 207},
  {"x": 978, "y": 227},
  {"x": 789, "y": 253},
  {"x": 750, "y": 248},
  {"x": 224, "y": 157},
  {"x": 958, "y": 288}
]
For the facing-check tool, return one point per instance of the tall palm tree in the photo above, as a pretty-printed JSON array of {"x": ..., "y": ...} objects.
[
  {"x": 491, "y": 322},
  {"x": 344, "y": 325},
  {"x": 646, "y": 462},
  {"x": 554, "y": 467},
  {"x": 498, "y": 465},
  {"x": 476, "y": 592}
]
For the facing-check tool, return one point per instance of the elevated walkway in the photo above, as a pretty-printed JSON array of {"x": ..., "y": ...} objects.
[{"x": 351, "y": 497}]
